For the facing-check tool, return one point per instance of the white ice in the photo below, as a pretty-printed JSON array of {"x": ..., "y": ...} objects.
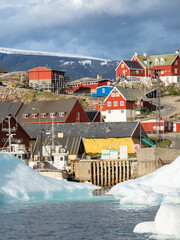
[
  {"x": 151, "y": 189},
  {"x": 18, "y": 182},
  {"x": 160, "y": 187},
  {"x": 166, "y": 224}
]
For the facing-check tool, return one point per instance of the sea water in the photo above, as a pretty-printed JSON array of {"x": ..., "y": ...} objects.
[{"x": 97, "y": 219}]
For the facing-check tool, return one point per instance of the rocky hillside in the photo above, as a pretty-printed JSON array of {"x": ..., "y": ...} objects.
[{"x": 16, "y": 94}]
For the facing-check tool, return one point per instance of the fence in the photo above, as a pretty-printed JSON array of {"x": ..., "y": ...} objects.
[{"x": 104, "y": 173}]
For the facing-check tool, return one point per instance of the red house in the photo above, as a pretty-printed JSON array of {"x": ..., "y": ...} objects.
[
  {"x": 168, "y": 67},
  {"x": 46, "y": 78},
  {"x": 57, "y": 111},
  {"x": 151, "y": 126},
  {"x": 87, "y": 85},
  {"x": 123, "y": 104},
  {"x": 18, "y": 133},
  {"x": 176, "y": 126}
]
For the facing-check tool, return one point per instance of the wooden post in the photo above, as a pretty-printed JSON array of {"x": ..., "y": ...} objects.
[
  {"x": 109, "y": 173},
  {"x": 116, "y": 169},
  {"x": 97, "y": 163},
  {"x": 124, "y": 171},
  {"x": 112, "y": 173},
  {"x": 105, "y": 174},
  {"x": 94, "y": 172},
  {"x": 102, "y": 175},
  {"x": 120, "y": 171},
  {"x": 127, "y": 170}
]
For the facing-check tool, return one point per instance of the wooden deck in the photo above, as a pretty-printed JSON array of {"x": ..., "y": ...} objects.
[{"x": 104, "y": 173}]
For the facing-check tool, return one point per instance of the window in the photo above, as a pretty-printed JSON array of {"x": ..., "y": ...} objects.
[
  {"x": 115, "y": 103},
  {"x": 25, "y": 116},
  {"x": 113, "y": 95},
  {"x": 34, "y": 115},
  {"x": 162, "y": 61},
  {"x": 121, "y": 103},
  {"x": 103, "y": 90},
  {"x": 62, "y": 114},
  {"x": 176, "y": 62},
  {"x": 122, "y": 65},
  {"x": 78, "y": 117},
  {"x": 52, "y": 115},
  {"x": 156, "y": 61},
  {"x": 122, "y": 111},
  {"x": 109, "y": 111},
  {"x": 137, "y": 71},
  {"x": 109, "y": 104},
  {"x": 175, "y": 70},
  {"x": 117, "y": 94},
  {"x": 43, "y": 115}
]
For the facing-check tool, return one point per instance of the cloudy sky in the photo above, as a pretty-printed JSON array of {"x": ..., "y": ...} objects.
[{"x": 111, "y": 29}]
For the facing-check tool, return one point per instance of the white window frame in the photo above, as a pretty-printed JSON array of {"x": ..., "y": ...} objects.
[
  {"x": 121, "y": 103},
  {"x": 43, "y": 115},
  {"x": 103, "y": 90},
  {"x": 115, "y": 103},
  {"x": 52, "y": 115},
  {"x": 117, "y": 94},
  {"x": 113, "y": 94},
  {"x": 61, "y": 114},
  {"x": 109, "y": 104},
  {"x": 34, "y": 115}
]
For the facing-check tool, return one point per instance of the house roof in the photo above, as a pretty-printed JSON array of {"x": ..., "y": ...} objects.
[
  {"x": 3, "y": 69},
  {"x": 168, "y": 59},
  {"x": 88, "y": 79},
  {"x": 49, "y": 106},
  {"x": 44, "y": 68},
  {"x": 3, "y": 115},
  {"x": 92, "y": 115},
  {"x": 131, "y": 94},
  {"x": 133, "y": 65},
  {"x": 71, "y": 143},
  {"x": 12, "y": 107},
  {"x": 88, "y": 130}
]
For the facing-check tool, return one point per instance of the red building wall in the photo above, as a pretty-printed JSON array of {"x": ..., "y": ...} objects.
[
  {"x": 73, "y": 116},
  {"x": 40, "y": 73},
  {"x": 19, "y": 134}
]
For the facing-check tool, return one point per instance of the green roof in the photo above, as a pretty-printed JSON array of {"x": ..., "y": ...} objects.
[
  {"x": 131, "y": 94},
  {"x": 168, "y": 59}
]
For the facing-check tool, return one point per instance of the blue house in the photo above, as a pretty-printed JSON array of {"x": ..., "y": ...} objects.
[{"x": 102, "y": 91}]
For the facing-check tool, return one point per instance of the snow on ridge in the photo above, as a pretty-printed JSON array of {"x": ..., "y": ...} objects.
[
  {"x": 85, "y": 62},
  {"x": 29, "y": 52}
]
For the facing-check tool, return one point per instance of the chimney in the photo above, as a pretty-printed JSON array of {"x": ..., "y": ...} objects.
[
  {"x": 60, "y": 135},
  {"x": 136, "y": 54},
  {"x": 144, "y": 54},
  {"x": 177, "y": 51},
  {"x": 99, "y": 77}
]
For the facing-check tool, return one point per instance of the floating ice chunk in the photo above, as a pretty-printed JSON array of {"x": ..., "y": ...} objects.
[
  {"x": 19, "y": 182},
  {"x": 151, "y": 188},
  {"x": 167, "y": 222},
  {"x": 145, "y": 227}
]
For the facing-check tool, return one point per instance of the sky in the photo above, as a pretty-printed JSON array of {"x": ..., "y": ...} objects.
[{"x": 110, "y": 29}]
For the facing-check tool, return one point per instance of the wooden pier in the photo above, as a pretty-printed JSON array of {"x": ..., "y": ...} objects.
[{"x": 104, "y": 173}]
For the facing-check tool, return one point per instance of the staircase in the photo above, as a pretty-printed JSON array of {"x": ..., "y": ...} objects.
[{"x": 148, "y": 141}]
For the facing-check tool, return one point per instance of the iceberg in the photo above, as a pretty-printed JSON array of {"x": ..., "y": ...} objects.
[
  {"x": 151, "y": 189},
  {"x": 167, "y": 222},
  {"x": 19, "y": 182}
]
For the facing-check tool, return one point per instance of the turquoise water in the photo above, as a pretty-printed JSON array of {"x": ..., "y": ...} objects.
[{"x": 96, "y": 219}]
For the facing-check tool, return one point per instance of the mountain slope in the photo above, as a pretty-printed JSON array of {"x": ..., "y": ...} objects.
[{"x": 75, "y": 66}]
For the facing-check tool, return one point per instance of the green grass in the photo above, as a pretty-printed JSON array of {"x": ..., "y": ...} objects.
[{"x": 162, "y": 143}]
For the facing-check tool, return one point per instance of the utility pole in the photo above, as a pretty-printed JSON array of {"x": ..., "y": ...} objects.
[{"x": 158, "y": 108}]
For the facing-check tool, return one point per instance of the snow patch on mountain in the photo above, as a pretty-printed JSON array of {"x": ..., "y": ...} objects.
[{"x": 29, "y": 52}]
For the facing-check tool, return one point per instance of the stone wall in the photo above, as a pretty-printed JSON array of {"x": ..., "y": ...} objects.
[{"x": 150, "y": 159}]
